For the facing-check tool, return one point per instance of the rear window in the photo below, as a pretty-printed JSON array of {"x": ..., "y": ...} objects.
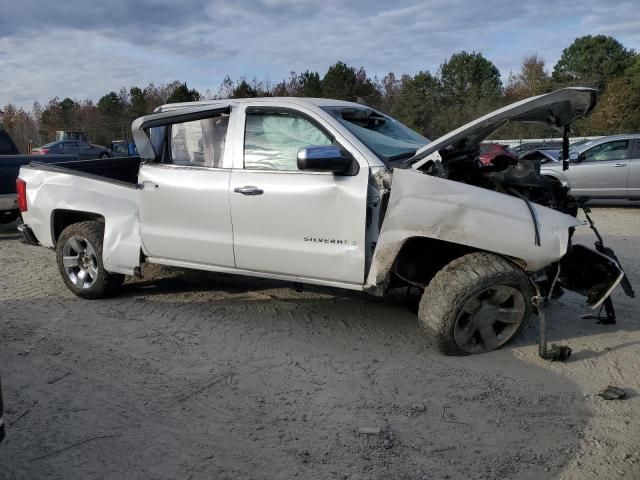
[{"x": 199, "y": 143}]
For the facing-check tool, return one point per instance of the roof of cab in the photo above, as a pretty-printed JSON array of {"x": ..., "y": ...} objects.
[{"x": 318, "y": 102}]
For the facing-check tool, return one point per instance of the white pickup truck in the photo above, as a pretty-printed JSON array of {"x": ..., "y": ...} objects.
[{"x": 330, "y": 193}]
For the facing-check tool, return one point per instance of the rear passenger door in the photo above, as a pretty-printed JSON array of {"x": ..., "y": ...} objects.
[
  {"x": 633, "y": 189},
  {"x": 602, "y": 170},
  {"x": 183, "y": 202}
]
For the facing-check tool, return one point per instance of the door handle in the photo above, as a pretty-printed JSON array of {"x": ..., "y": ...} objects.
[
  {"x": 619, "y": 164},
  {"x": 147, "y": 186},
  {"x": 248, "y": 190}
]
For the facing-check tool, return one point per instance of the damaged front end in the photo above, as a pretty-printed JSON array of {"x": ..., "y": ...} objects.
[{"x": 495, "y": 222}]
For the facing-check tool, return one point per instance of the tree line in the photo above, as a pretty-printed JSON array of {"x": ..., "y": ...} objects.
[{"x": 465, "y": 86}]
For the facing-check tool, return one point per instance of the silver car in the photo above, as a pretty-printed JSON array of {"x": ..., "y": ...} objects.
[
  {"x": 605, "y": 168},
  {"x": 83, "y": 150}
]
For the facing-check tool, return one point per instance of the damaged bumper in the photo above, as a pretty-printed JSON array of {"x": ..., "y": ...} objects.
[{"x": 589, "y": 273}]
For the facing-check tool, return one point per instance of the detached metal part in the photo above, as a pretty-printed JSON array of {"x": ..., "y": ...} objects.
[{"x": 556, "y": 352}]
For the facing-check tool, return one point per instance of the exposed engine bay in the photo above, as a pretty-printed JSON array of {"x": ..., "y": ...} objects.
[
  {"x": 504, "y": 174},
  {"x": 456, "y": 155}
]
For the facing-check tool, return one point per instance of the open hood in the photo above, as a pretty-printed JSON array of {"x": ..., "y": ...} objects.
[{"x": 557, "y": 109}]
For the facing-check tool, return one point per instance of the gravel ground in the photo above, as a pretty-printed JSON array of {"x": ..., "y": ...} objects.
[{"x": 191, "y": 375}]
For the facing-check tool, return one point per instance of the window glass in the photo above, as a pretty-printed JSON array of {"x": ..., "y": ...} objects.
[
  {"x": 616, "y": 150},
  {"x": 272, "y": 140},
  {"x": 389, "y": 139},
  {"x": 156, "y": 136},
  {"x": 199, "y": 143}
]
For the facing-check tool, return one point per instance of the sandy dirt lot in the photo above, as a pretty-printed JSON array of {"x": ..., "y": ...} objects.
[{"x": 192, "y": 375}]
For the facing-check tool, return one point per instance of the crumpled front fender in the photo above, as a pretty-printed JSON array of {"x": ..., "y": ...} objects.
[{"x": 425, "y": 206}]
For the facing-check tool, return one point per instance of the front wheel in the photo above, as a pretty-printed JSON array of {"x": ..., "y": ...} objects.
[
  {"x": 79, "y": 257},
  {"x": 475, "y": 304},
  {"x": 104, "y": 155}
]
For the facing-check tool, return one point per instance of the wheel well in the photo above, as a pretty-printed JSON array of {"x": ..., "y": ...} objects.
[
  {"x": 61, "y": 219},
  {"x": 420, "y": 258},
  {"x": 551, "y": 178}
]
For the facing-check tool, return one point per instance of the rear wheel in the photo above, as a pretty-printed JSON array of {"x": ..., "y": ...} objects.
[
  {"x": 475, "y": 304},
  {"x": 79, "y": 257},
  {"x": 104, "y": 155}
]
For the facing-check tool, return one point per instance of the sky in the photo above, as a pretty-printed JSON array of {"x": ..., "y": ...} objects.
[{"x": 86, "y": 48}]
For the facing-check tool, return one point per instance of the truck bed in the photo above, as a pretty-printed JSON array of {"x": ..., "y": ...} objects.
[
  {"x": 120, "y": 169},
  {"x": 103, "y": 189}
]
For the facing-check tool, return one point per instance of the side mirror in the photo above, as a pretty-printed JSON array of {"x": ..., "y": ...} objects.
[
  {"x": 323, "y": 159},
  {"x": 574, "y": 156}
]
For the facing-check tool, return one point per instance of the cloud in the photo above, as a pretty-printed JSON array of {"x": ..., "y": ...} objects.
[{"x": 84, "y": 50}]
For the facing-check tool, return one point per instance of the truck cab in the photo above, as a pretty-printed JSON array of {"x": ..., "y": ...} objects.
[{"x": 278, "y": 219}]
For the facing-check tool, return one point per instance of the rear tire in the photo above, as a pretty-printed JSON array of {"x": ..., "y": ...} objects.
[
  {"x": 79, "y": 257},
  {"x": 105, "y": 155},
  {"x": 475, "y": 304}
]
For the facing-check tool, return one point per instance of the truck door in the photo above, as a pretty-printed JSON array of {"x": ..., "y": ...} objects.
[
  {"x": 184, "y": 199},
  {"x": 602, "y": 170},
  {"x": 633, "y": 190},
  {"x": 292, "y": 222}
]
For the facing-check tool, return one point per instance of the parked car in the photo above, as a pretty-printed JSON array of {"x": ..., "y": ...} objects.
[
  {"x": 82, "y": 150},
  {"x": 330, "y": 193},
  {"x": 10, "y": 163},
  {"x": 607, "y": 168},
  {"x": 489, "y": 151}
]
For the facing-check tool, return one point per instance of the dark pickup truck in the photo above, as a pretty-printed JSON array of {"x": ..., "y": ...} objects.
[{"x": 10, "y": 163}]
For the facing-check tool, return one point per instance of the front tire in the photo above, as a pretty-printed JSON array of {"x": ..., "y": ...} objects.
[
  {"x": 475, "y": 304},
  {"x": 79, "y": 257}
]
